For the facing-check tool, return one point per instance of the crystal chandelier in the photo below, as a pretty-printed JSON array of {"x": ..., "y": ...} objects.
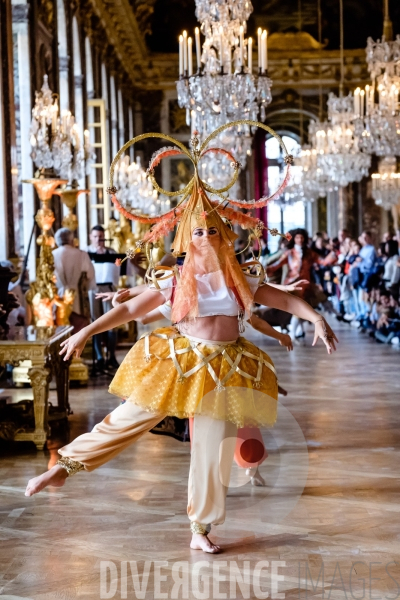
[
  {"x": 377, "y": 107},
  {"x": 56, "y": 145},
  {"x": 336, "y": 141},
  {"x": 386, "y": 183},
  {"x": 135, "y": 191},
  {"x": 223, "y": 89},
  {"x": 337, "y": 144},
  {"x": 315, "y": 181}
]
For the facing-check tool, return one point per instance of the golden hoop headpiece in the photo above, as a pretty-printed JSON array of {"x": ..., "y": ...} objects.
[{"x": 166, "y": 222}]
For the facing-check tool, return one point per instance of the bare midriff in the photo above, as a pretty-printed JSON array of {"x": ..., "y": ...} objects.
[{"x": 217, "y": 328}]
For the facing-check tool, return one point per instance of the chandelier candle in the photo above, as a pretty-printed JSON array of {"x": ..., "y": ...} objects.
[
  {"x": 198, "y": 55},
  {"x": 264, "y": 64},
  {"x": 190, "y": 56},
  {"x": 362, "y": 96},
  {"x": 259, "y": 33},
  {"x": 241, "y": 47},
  {"x": 185, "y": 53},
  {"x": 250, "y": 54},
  {"x": 180, "y": 55},
  {"x": 357, "y": 102},
  {"x": 221, "y": 46},
  {"x": 54, "y": 117}
]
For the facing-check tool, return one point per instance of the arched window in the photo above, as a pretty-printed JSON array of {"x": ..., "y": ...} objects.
[{"x": 281, "y": 216}]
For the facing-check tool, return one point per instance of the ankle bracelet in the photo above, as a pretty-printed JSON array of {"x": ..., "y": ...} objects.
[
  {"x": 198, "y": 528},
  {"x": 70, "y": 465}
]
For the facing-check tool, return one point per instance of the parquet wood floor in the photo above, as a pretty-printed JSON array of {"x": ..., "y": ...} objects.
[{"x": 345, "y": 527}]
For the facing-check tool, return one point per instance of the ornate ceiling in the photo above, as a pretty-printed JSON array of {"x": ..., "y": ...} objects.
[
  {"x": 125, "y": 33},
  {"x": 144, "y": 34}
]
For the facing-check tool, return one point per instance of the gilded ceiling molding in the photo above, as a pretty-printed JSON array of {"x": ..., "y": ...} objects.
[{"x": 123, "y": 32}]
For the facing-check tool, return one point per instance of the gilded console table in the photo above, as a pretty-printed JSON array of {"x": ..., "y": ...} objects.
[{"x": 40, "y": 345}]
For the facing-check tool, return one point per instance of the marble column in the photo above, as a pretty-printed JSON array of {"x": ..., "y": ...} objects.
[
  {"x": 114, "y": 117},
  {"x": 311, "y": 210},
  {"x": 21, "y": 29},
  {"x": 3, "y": 167},
  {"x": 131, "y": 132},
  {"x": 121, "y": 120},
  {"x": 63, "y": 58},
  {"x": 334, "y": 209},
  {"x": 80, "y": 120}
]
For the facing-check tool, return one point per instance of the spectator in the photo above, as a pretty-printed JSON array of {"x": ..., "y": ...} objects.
[
  {"x": 107, "y": 276},
  {"x": 391, "y": 274},
  {"x": 389, "y": 246},
  {"x": 367, "y": 262},
  {"x": 342, "y": 235},
  {"x": 74, "y": 271},
  {"x": 300, "y": 260}
]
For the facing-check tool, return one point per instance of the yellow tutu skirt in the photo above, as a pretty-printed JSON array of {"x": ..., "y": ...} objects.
[{"x": 181, "y": 376}]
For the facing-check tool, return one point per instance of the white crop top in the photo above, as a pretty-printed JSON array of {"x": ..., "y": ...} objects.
[{"x": 214, "y": 298}]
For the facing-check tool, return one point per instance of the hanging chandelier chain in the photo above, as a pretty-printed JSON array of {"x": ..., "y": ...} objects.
[{"x": 341, "y": 49}]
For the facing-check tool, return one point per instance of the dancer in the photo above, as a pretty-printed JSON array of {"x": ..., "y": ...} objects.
[
  {"x": 201, "y": 367},
  {"x": 300, "y": 260}
]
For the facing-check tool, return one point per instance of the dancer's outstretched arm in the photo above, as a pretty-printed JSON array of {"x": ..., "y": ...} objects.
[
  {"x": 123, "y": 294},
  {"x": 291, "y": 287},
  {"x": 274, "y": 298},
  {"x": 128, "y": 311}
]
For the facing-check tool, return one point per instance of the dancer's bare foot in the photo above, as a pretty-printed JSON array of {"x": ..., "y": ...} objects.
[
  {"x": 55, "y": 477},
  {"x": 256, "y": 478},
  {"x": 201, "y": 542}
]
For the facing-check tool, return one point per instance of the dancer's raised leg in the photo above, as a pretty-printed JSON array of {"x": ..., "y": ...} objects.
[{"x": 121, "y": 428}]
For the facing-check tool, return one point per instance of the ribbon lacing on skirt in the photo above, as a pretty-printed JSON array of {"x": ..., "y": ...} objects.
[{"x": 206, "y": 360}]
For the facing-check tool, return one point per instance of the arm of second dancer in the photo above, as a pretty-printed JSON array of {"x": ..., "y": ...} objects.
[
  {"x": 125, "y": 312},
  {"x": 266, "y": 329},
  {"x": 274, "y": 298}
]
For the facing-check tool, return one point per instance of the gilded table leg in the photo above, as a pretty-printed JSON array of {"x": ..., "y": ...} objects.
[
  {"x": 60, "y": 368},
  {"x": 40, "y": 378}
]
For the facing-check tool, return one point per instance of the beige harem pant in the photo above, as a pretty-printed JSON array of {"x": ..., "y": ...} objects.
[{"x": 211, "y": 456}]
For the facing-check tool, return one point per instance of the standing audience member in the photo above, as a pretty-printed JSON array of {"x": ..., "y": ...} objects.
[
  {"x": 367, "y": 261},
  {"x": 107, "y": 276},
  {"x": 74, "y": 271}
]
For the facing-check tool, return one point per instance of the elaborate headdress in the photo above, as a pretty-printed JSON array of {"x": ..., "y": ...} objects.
[{"x": 195, "y": 208}]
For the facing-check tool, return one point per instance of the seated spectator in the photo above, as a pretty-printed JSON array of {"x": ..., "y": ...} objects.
[{"x": 388, "y": 325}]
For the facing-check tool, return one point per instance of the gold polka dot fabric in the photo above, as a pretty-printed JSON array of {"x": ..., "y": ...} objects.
[{"x": 169, "y": 373}]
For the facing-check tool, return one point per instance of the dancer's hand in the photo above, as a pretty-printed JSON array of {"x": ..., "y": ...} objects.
[
  {"x": 74, "y": 345},
  {"x": 120, "y": 297},
  {"x": 286, "y": 340},
  {"x": 297, "y": 286},
  {"x": 324, "y": 331},
  {"x": 105, "y": 296}
]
